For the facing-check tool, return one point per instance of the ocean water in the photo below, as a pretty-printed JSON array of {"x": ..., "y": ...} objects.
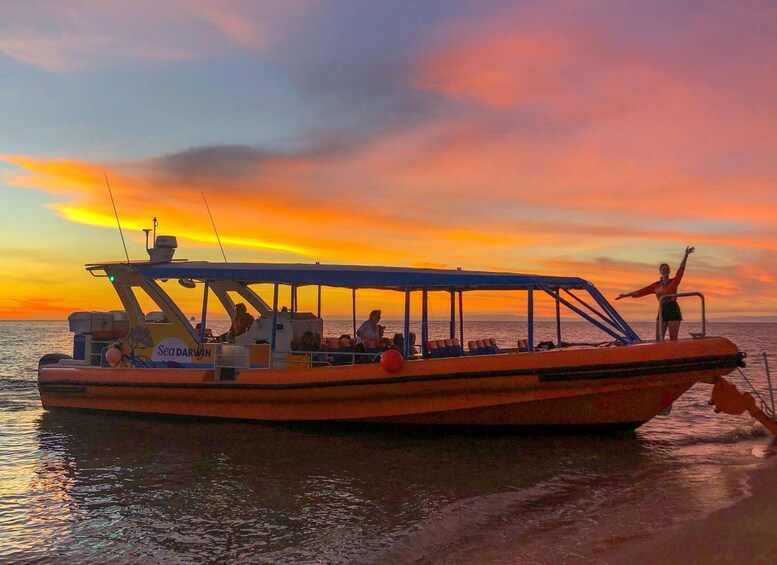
[{"x": 88, "y": 488}]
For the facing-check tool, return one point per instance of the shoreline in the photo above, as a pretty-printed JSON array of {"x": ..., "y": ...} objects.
[{"x": 744, "y": 531}]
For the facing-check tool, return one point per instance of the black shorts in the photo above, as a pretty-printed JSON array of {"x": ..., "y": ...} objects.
[{"x": 670, "y": 312}]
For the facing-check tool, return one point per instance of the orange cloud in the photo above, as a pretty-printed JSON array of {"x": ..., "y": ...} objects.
[
  {"x": 35, "y": 309},
  {"x": 282, "y": 211}
]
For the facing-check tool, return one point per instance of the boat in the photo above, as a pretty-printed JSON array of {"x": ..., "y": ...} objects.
[{"x": 161, "y": 363}]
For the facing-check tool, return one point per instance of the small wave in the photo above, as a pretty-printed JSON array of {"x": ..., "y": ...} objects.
[
  {"x": 15, "y": 406},
  {"x": 461, "y": 519},
  {"x": 745, "y": 432},
  {"x": 16, "y": 384}
]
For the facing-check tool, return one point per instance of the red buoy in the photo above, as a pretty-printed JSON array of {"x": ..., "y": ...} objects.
[{"x": 391, "y": 361}]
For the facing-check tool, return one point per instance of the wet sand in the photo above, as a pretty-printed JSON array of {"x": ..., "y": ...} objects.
[{"x": 742, "y": 533}]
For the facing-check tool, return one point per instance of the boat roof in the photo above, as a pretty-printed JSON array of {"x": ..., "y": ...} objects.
[{"x": 349, "y": 276}]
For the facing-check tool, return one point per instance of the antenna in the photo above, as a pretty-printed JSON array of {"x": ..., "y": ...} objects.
[
  {"x": 117, "y": 217},
  {"x": 214, "y": 228},
  {"x": 146, "y": 231}
]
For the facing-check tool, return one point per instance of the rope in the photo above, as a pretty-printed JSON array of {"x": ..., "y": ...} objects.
[{"x": 764, "y": 406}]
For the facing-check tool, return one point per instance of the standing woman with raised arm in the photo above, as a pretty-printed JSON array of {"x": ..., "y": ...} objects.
[{"x": 670, "y": 309}]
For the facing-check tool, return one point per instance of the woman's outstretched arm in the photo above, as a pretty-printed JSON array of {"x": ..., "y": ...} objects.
[
  {"x": 649, "y": 289},
  {"x": 678, "y": 276}
]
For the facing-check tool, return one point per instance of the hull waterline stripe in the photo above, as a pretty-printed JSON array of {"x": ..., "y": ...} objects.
[{"x": 555, "y": 374}]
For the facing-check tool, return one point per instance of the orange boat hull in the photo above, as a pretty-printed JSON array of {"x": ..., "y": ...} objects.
[{"x": 616, "y": 386}]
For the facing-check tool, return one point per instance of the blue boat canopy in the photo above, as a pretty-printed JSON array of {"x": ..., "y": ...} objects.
[{"x": 348, "y": 276}]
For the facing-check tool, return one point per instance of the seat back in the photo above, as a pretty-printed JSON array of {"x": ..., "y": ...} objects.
[
  {"x": 439, "y": 348},
  {"x": 483, "y": 346}
]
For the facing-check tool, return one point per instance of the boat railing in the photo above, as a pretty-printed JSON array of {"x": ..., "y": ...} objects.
[
  {"x": 667, "y": 297},
  {"x": 304, "y": 359}
]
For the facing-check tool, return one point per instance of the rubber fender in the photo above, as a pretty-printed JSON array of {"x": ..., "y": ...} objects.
[{"x": 52, "y": 359}]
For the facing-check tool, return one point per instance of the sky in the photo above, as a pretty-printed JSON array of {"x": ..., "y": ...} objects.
[{"x": 594, "y": 139}]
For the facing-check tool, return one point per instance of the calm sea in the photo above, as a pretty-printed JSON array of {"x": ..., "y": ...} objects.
[{"x": 85, "y": 488}]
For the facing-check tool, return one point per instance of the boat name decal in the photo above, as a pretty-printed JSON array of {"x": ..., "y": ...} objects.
[{"x": 163, "y": 351}]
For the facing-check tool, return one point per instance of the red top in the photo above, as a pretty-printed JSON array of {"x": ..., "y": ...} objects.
[
  {"x": 660, "y": 288},
  {"x": 241, "y": 324}
]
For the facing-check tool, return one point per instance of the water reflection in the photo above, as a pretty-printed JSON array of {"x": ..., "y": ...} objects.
[
  {"x": 96, "y": 488},
  {"x": 162, "y": 489}
]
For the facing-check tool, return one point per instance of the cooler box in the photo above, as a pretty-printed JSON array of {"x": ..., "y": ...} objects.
[
  {"x": 79, "y": 346},
  {"x": 87, "y": 322}
]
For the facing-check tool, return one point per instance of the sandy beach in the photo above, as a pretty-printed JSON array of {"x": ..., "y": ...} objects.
[{"x": 743, "y": 533}]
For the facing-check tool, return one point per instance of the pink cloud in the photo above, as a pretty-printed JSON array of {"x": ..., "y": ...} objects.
[{"x": 82, "y": 36}]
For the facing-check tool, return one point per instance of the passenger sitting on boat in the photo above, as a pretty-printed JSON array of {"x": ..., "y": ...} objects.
[
  {"x": 370, "y": 332},
  {"x": 307, "y": 343},
  {"x": 670, "y": 311},
  {"x": 399, "y": 343},
  {"x": 412, "y": 350},
  {"x": 310, "y": 342},
  {"x": 241, "y": 323},
  {"x": 344, "y": 340}
]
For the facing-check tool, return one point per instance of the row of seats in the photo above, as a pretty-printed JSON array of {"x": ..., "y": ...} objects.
[
  {"x": 439, "y": 348},
  {"x": 483, "y": 346},
  {"x": 450, "y": 347}
]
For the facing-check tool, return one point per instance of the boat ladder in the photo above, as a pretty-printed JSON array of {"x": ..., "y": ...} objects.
[{"x": 730, "y": 400}]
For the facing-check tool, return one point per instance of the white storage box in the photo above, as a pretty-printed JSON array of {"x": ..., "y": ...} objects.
[{"x": 87, "y": 322}]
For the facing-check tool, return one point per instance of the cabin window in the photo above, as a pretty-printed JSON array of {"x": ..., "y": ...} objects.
[
  {"x": 188, "y": 300},
  {"x": 236, "y": 298},
  {"x": 145, "y": 308}
]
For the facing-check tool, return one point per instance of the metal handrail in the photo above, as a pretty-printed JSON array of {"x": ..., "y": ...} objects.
[
  {"x": 680, "y": 295},
  {"x": 351, "y": 356}
]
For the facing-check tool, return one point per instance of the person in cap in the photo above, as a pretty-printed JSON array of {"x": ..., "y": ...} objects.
[{"x": 241, "y": 323}]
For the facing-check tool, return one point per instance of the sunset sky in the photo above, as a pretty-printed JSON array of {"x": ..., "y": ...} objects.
[{"x": 594, "y": 139}]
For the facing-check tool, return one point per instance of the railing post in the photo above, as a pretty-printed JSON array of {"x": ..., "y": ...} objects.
[
  {"x": 424, "y": 322},
  {"x": 660, "y": 326},
  {"x": 461, "y": 317},
  {"x": 660, "y": 336},
  {"x": 274, "y": 323},
  {"x": 203, "y": 321},
  {"x": 530, "y": 318},
  {"x": 406, "y": 328},
  {"x": 453, "y": 314},
  {"x": 558, "y": 319},
  {"x": 353, "y": 303}
]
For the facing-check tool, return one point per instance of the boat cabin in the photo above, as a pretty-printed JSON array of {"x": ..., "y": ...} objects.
[{"x": 165, "y": 337}]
